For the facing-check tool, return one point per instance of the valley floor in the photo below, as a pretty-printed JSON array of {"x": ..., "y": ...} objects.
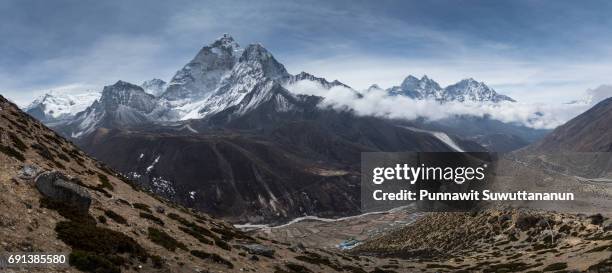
[{"x": 506, "y": 240}]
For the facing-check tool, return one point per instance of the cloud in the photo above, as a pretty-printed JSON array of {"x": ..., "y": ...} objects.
[
  {"x": 598, "y": 94},
  {"x": 379, "y": 103},
  {"x": 113, "y": 58},
  {"x": 523, "y": 80}
]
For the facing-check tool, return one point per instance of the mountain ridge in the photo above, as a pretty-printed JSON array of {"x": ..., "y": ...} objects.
[{"x": 220, "y": 75}]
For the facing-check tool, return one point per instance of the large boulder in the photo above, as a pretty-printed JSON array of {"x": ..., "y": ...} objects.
[
  {"x": 57, "y": 187},
  {"x": 257, "y": 249}
]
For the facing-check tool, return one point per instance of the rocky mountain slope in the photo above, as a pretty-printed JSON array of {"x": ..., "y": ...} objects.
[
  {"x": 495, "y": 135},
  {"x": 57, "y": 199},
  {"x": 294, "y": 166},
  {"x": 579, "y": 148},
  {"x": 501, "y": 143},
  {"x": 588, "y": 132}
]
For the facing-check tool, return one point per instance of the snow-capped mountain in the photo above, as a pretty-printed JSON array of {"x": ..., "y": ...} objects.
[
  {"x": 216, "y": 80},
  {"x": 225, "y": 81},
  {"x": 247, "y": 85},
  {"x": 57, "y": 106},
  {"x": 155, "y": 87},
  {"x": 120, "y": 105},
  {"x": 424, "y": 88},
  {"x": 467, "y": 90},
  {"x": 222, "y": 75},
  {"x": 203, "y": 74},
  {"x": 472, "y": 90}
]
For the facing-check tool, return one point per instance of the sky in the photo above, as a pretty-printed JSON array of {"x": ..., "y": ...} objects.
[{"x": 533, "y": 51}]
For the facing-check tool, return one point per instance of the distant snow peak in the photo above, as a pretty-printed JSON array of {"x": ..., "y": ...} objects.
[
  {"x": 121, "y": 104},
  {"x": 415, "y": 88},
  {"x": 467, "y": 90},
  {"x": 59, "y": 105},
  {"x": 472, "y": 90}
]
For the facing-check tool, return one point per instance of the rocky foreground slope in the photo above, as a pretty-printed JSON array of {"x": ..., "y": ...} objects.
[{"x": 508, "y": 240}]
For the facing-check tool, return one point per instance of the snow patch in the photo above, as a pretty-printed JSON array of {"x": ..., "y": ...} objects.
[
  {"x": 162, "y": 186},
  {"x": 150, "y": 168}
]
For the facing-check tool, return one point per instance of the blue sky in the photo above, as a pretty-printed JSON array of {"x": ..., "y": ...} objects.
[{"x": 540, "y": 51}]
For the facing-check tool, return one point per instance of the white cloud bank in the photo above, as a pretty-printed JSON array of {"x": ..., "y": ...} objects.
[{"x": 379, "y": 103}]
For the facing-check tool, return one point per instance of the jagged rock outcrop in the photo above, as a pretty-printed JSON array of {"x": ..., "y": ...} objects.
[
  {"x": 424, "y": 88},
  {"x": 257, "y": 249},
  {"x": 155, "y": 87},
  {"x": 303, "y": 76}
]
